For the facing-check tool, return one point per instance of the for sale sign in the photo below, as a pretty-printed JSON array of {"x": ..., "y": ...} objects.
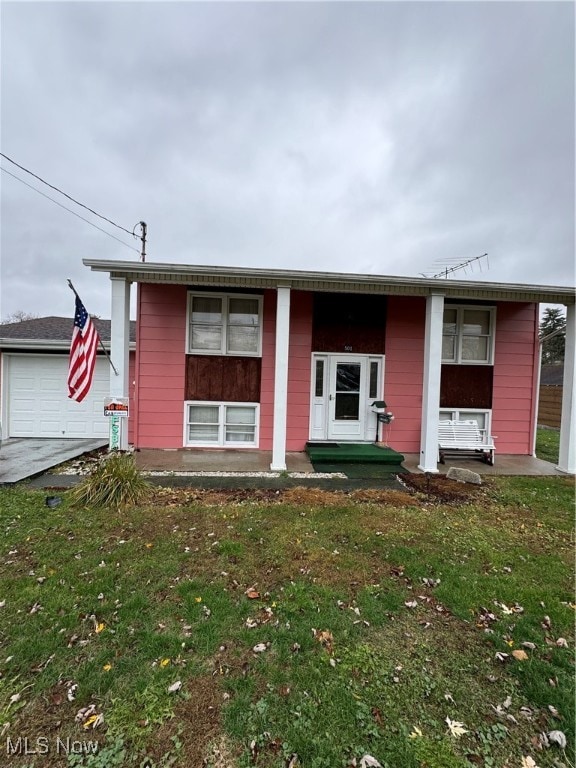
[{"x": 116, "y": 406}]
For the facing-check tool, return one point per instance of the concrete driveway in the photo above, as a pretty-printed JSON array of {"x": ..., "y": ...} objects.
[{"x": 23, "y": 457}]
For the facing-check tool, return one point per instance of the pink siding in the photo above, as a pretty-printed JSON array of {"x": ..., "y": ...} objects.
[
  {"x": 514, "y": 377},
  {"x": 404, "y": 370},
  {"x": 299, "y": 362},
  {"x": 160, "y": 366}
]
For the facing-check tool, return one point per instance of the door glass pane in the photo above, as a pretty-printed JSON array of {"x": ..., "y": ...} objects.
[
  {"x": 373, "y": 393},
  {"x": 319, "y": 384},
  {"x": 348, "y": 377},
  {"x": 347, "y": 407}
]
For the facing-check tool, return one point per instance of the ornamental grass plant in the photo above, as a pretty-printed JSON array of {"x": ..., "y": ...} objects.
[{"x": 116, "y": 482}]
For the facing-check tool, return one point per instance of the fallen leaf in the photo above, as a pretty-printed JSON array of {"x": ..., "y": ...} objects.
[
  {"x": 501, "y": 656},
  {"x": 164, "y": 663},
  {"x": 107, "y": 667},
  {"x": 411, "y": 604},
  {"x": 554, "y": 712},
  {"x": 562, "y": 642},
  {"x": 528, "y": 762},
  {"x": 456, "y": 728},
  {"x": 530, "y": 646},
  {"x": 100, "y": 627},
  {"x": 520, "y": 655},
  {"x": 557, "y": 737},
  {"x": 367, "y": 761},
  {"x": 175, "y": 686},
  {"x": 416, "y": 733},
  {"x": 252, "y": 594},
  {"x": 260, "y": 648}
]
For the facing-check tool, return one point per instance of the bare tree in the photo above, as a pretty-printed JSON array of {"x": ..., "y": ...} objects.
[{"x": 18, "y": 317}]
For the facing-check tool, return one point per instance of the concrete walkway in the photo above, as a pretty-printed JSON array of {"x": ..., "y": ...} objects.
[
  {"x": 528, "y": 466},
  {"x": 23, "y": 457}
]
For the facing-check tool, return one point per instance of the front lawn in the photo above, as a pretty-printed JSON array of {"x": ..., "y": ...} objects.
[
  {"x": 301, "y": 628},
  {"x": 548, "y": 444}
]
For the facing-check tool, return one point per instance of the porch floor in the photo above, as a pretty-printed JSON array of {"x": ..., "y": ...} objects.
[{"x": 191, "y": 460}]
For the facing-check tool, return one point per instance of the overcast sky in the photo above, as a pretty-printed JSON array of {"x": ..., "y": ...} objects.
[{"x": 374, "y": 137}]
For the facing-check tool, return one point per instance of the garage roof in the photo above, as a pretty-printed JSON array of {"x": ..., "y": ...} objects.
[{"x": 51, "y": 332}]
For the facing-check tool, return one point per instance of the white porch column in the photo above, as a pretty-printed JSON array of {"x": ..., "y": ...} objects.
[
  {"x": 567, "y": 458},
  {"x": 119, "y": 350},
  {"x": 431, "y": 383},
  {"x": 281, "y": 379}
]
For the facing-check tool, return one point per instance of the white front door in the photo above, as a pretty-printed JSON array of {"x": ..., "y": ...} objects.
[{"x": 343, "y": 389}]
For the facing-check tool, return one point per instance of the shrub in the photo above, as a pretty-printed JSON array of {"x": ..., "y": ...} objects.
[{"x": 116, "y": 482}]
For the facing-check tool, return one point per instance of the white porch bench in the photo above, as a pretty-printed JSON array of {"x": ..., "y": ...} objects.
[{"x": 464, "y": 437}]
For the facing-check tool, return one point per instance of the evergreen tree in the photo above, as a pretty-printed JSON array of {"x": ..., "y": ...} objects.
[{"x": 553, "y": 349}]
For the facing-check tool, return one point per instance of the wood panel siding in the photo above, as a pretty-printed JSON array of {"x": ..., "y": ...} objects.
[
  {"x": 404, "y": 370},
  {"x": 550, "y": 405},
  {"x": 223, "y": 379},
  {"x": 466, "y": 386},
  {"x": 515, "y": 370},
  {"x": 349, "y": 323}
]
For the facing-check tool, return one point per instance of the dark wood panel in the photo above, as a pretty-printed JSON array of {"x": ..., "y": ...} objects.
[
  {"x": 466, "y": 386},
  {"x": 346, "y": 322},
  {"x": 218, "y": 378}
]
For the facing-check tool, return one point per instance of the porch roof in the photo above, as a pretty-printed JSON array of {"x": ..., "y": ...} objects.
[{"x": 337, "y": 282}]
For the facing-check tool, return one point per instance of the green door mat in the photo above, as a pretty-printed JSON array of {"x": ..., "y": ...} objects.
[{"x": 353, "y": 453}]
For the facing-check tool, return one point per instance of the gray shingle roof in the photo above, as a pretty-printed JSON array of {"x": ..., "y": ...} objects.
[{"x": 54, "y": 329}]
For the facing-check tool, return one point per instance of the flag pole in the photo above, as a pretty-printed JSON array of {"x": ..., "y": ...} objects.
[{"x": 99, "y": 338}]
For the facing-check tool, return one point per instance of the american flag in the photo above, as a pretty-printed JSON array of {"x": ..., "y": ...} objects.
[{"x": 82, "y": 354}]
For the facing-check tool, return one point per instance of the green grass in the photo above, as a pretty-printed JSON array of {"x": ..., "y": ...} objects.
[
  {"x": 548, "y": 444},
  {"x": 361, "y": 655}
]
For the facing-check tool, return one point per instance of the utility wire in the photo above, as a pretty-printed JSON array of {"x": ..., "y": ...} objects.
[
  {"x": 65, "y": 195},
  {"x": 69, "y": 210}
]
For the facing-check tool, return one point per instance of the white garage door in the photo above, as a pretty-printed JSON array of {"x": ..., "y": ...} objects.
[{"x": 38, "y": 402}]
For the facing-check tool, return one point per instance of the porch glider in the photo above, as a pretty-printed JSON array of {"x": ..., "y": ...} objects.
[{"x": 464, "y": 437}]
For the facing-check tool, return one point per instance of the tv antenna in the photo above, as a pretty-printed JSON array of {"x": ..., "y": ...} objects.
[{"x": 447, "y": 267}]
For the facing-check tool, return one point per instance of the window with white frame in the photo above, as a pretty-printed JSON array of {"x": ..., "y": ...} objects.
[
  {"x": 468, "y": 335},
  {"x": 224, "y": 324},
  {"x": 482, "y": 418},
  {"x": 221, "y": 424}
]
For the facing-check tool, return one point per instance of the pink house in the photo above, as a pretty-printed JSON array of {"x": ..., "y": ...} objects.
[{"x": 231, "y": 357}]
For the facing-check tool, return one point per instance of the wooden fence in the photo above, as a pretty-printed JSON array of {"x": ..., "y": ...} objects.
[{"x": 550, "y": 405}]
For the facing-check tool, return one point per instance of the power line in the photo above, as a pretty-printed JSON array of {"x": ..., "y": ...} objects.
[
  {"x": 64, "y": 193},
  {"x": 69, "y": 210}
]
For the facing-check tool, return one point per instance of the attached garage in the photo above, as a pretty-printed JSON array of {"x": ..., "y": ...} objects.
[
  {"x": 37, "y": 398},
  {"x": 34, "y": 398}
]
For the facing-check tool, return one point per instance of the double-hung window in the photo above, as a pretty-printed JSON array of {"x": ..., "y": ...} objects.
[
  {"x": 234, "y": 425},
  {"x": 224, "y": 324},
  {"x": 468, "y": 335}
]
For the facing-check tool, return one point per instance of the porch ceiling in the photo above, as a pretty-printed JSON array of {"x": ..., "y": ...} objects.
[{"x": 249, "y": 278}]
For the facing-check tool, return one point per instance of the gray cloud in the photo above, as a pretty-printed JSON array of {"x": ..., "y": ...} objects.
[{"x": 364, "y": 137}]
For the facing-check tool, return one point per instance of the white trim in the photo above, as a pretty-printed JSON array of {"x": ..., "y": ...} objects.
[
  {"x": 431, "y": 383},
  {"x": 119, "y": 349},
  {"x": 491, "y": 335},
  {"x": 225, "y": 297},
  {"x": 221, "y": 443},
  {"x": 281, "y": 379},
  {"x": 567, "y": 457}
]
